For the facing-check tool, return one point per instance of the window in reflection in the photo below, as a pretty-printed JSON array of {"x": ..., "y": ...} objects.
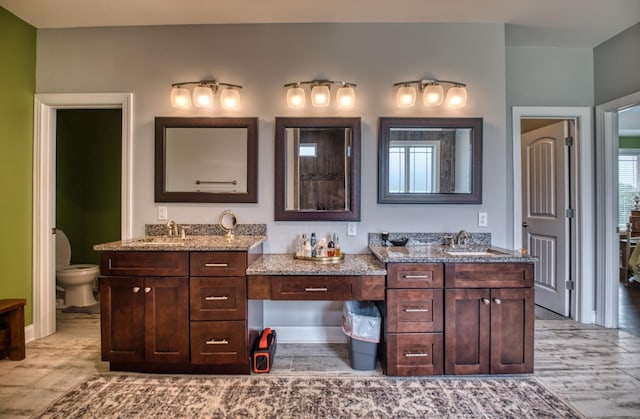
[{"x": 413, "y": 168}]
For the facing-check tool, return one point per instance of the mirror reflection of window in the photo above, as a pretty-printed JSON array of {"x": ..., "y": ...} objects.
[{"x": 413, "y": 168}]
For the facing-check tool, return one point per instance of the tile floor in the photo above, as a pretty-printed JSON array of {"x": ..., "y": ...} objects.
[{"x": 596, "y": 370}]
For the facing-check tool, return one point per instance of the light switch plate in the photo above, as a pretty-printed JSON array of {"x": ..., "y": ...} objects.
[
  {"x": 162, "y": 213},
  {"x": 351, "y": 229},
  {"x": 483, "y": 219}
]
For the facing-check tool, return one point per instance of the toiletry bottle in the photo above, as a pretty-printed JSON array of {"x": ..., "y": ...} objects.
[
  {"x": 322, "y": 248},
  {"x": 331, "y": 248},
  {"x": 336, "y": 244},
  {"x": 307, "y": 246},
  {"x": 313, "y": 245}
]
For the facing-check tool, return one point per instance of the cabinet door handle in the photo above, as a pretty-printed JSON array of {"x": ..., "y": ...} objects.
[
  {"x": 415, "y": 276},
  {"x": 416, "y": 310},
  {"x": 216, "y": 298},
  {"x": 217, "y": 342},
  {"x": 319, "y": 289},
  {"x": 485, "y": 301},
  {"x": 216, "y": 265},
  {"x": 136, "y": 290},
  {"x": 497, "y": 301},
  {"x": 147, "y": 290},
  {"x": 415, "y": 354}
]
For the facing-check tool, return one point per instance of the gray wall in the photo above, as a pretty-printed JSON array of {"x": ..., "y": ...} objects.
[
  {"x": 616, "y": 64},
  {"x": 146, "y": 60}
]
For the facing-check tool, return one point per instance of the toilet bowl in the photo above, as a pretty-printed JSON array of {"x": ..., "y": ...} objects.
[{"x": 76, "y": 280}]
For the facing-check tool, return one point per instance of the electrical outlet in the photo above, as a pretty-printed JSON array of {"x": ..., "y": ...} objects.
[
  {"x": 483, "y": 219},
  {"x": 162, "y": 213},
  {"x": 351, "y": 229}
]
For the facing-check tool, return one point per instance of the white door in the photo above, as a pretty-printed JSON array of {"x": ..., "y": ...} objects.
[{"x": 545, "y": 199}]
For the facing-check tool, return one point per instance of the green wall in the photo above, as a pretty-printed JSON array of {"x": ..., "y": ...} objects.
[
  {"x": 88, "y": 175},
  {"x": 629, "y": 142},
  {"x": 17, "y": 72}
]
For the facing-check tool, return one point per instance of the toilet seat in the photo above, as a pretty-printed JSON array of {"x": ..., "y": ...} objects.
[{"x": 63, "y": 258}]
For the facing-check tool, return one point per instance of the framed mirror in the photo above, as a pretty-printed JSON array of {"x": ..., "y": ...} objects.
[
  {"x": 317, "y": 164},
  {"x": 205, "y": 159},
  {"x": 430, "y": 161}
]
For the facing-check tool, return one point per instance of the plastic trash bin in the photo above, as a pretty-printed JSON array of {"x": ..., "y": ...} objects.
[{"x": 361, "y": 323}]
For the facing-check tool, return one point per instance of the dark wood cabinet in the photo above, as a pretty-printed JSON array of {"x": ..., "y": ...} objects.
[{"x": 489, "y": 330}]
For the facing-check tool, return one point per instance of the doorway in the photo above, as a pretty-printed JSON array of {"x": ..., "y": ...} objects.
[
  {"x": 46, "y": 106},
  {"x": 581, "y": 306}
]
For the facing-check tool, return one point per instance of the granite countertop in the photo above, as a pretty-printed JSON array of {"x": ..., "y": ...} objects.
[
  {"x": 285, "y": 264},
  {"x": 438, "y": 254},
  {"x": 191, "y": 243}
]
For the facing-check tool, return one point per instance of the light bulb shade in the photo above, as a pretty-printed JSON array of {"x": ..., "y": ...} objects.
[
  {"x": 406, "y": 96},
  {"x": 433, "y": 95},
  {"x": 230, "y": 98},
  {"x": 346, "y": 97},
  {"x": 320, "y": 96},
  {"x": 203, "y": 96},
  {"x": 457, "y": 97},
  {"x": 295, "y": 97},
  {"x": 180, "y": 97}
]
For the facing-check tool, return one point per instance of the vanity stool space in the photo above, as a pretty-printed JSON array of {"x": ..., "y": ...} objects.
[{"x": 181, "y": 308}]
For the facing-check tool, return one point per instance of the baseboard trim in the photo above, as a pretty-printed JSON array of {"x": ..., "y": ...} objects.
[{"x": 29, "y": 333}]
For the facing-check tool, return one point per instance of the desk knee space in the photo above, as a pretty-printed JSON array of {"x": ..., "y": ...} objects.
[{"x": 12, "y": 329}]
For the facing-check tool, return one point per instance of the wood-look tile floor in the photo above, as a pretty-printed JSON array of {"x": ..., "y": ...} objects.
[{"x": 596, "y": 370}]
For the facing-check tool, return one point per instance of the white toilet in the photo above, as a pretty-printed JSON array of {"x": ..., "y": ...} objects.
[{"x": 76, "y": 280}]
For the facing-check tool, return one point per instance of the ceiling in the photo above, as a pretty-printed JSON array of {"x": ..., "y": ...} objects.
[{"x": 545, "y": 23}]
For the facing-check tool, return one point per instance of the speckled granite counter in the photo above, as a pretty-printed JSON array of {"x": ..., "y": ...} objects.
[
  {"x": 285, "y": 264},
  {"x": 438, "y": 254},
  {"x": 191, "y": 243}
]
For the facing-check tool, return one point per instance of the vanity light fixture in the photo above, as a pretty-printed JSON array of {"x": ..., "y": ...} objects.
[
  {"x": 321, "y": 94},
  {"x": 433, "y": 93},
  {"x": 203, "y": 92}
]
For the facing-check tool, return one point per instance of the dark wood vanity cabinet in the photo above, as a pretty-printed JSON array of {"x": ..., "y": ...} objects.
[
  {"x": 489, "y": 318},
  {"x": 144, "y": 319}
]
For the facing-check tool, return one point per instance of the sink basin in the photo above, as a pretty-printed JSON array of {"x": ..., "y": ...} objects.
[
  {"x": 156, "y": 241},
  {"x": 478, "y": 252}
]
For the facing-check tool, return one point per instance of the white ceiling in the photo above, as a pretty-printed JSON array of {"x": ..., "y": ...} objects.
[{"x": 551, "y": 23}]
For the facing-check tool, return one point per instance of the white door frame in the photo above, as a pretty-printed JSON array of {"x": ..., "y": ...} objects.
[
  {"x": 583, "y": 304},
  {"x": 607, "y": 222},
  {"x": 44, "y": 163}
]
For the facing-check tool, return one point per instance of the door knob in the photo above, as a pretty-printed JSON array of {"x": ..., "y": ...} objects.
[{"x": 525, "y": 224}]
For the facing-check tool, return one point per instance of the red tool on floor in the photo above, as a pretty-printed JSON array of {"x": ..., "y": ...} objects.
[{"x": 264, "y": 351}]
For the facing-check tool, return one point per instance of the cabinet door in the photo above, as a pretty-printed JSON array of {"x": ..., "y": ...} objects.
[
  {"x": 166, "y": 319},
  {"x": 466, "y": 331},
  {"x": 122, "y": 319},
  {"x": 512, "y": 330}
]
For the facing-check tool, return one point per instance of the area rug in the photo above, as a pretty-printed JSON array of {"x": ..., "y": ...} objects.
[{"x": 161, "y": 396}]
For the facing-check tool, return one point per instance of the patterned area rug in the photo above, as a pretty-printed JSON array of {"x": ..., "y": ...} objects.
[{"x": 158, "y": 396}]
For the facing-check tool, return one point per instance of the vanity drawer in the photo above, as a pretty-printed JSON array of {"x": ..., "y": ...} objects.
[
  {"x": 219, "y": 342},
  {"x": 411, "y": 354},
  {"x": 312, "y": 287},
  {"x": 218, "y": 298},
  {"x": 489, "y": 275},
  {"x": 218, "y": 263},
  {"x": 144, "y": 263},
  {"x": 415, "y": 275},
  {"x": 412, "y": 310}
]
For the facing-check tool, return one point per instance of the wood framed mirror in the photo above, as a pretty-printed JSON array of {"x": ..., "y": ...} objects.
[
  {"x": 317, "y": 169},
  {"x": 201, "y": 159},
  {"x": 430, "y": 161}
]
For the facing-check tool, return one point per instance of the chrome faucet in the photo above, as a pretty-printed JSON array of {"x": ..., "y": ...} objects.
[
  {"x": 172, "y": 229},
  {"x": 461, "y": 238}
]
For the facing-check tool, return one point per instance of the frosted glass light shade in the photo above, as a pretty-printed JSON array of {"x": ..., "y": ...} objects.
[
  {"x": 203, "y": 97},
  {"x": 180, "y": 97},
  {"x": 457, "y": 97},
  {"x": 295, "y": 97},
  {"x": 320, "y": 96},
  {"x": 346, "y": 97},
  {"x": 433, "y": 95},
  {"x": 230, "y": 98},
  {"x": 406, "y": 96}
]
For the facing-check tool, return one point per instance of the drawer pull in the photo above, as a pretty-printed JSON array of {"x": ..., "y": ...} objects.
[
  {"x": 497, "y": 301},
  {"x": 416, "y": 310},
  {"x": 216, "y": 298},
  {"x": 485, "y": 301},
  {"x": 319, "y": 289},
  {"x": 217, "y": 342},
  {"x": 136, "y": 290},
  {"x": 415, "y": 276},
  {"x": 415, "y": 354},
  {"x": 147, "y": 290},
  {"x": 216, "y": 265}
]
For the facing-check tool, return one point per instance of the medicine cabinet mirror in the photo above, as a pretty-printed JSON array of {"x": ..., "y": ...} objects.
[
  {"x": 205, "y": 159},
  {"x": 317, "y": 162},
  {"x": 430, "y": 160}
]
